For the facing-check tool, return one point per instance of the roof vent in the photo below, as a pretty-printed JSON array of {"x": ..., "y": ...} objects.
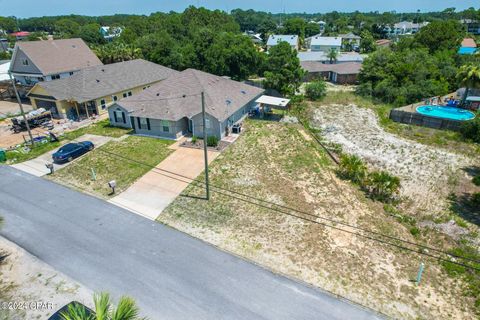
[
  {"x": 98, "y": 81},
  {"x": 103, "y": 70},
  {"x": 158, "y": 94},
  {"x": 228, "y": 102},
  {"x": 243, "y": 91}
]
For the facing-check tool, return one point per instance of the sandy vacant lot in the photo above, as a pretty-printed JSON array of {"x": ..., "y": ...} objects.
[
  {"x": 428, "y": 173},
  {"x": 279, "y": 163},
  {"x": 24, "y": 278}
]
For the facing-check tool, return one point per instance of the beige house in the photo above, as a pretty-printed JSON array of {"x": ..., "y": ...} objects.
[{"x": 92, "y": 90}]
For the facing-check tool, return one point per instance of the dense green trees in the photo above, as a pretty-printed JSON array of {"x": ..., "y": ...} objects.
[
  {"x": 440, "y": 35},
  {"x": 116, "y": 52},
  {"x": 284, "y": 72},
  {"x": 316, "y": 90}
]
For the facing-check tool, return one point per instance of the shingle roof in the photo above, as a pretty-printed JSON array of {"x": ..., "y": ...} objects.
[
  {"x": 96, "y": 82},
  {"x": 322, "y": 56},
  {"x": 274, "y": 39},
  {"x": 349, "y": 35},
  {"x": 166, "y": 100},
  {"x": 57, "y": 56},
  {"x": 326, "y": 41},
  {"x": 340, "y": 68}
]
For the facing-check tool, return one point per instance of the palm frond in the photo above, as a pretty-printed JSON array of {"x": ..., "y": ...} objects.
[
  {"x": 126, "y": 310},
  {"x": 102, "y": 305},
  {"x": 76, "y": 311}
]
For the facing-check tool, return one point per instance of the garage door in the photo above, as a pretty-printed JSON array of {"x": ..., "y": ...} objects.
[{"x": 48, "y": 105}]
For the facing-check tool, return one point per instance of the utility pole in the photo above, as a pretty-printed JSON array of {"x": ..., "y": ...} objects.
[
  {"x": 205, "y": 146},
  {"x": 21, "y": 108}
]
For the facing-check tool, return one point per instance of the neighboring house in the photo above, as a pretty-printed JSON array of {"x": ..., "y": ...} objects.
[
  {"x": 3, "y": 44},
  {"x": 37, "y": 61},
  {"x": 321, "y": 56},
  {"x": 255, "y": 37},
  {"x": 110, "y": 33},
  {"x": 383, "y": 43},
  {"x": 404, "y": 28},
  {"x": 20, "y": 35},
  {"x": 472, "y": 26},
  {"x": 321, "y": 25},
  {"x": 4, "y": 66},
  {"x": 325, "y": 44},
  {"x": 173, "y": 107},
  {"x": 91, "y": 90},
  {"x": 274, "y": 39},
  {"x": 343, "y": 73},
  {"x": 350, "y": 39},
  {"x": 467, "y": 47}
]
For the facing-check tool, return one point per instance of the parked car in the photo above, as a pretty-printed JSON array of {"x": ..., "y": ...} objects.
[{"x": 71, "y": 151}]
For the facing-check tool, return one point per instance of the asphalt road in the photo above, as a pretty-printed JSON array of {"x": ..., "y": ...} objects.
[{"x": 170, "y": 274}]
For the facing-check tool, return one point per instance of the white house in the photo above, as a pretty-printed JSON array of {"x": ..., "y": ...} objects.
[
  {"x": 325, "y": 44},
  {"x": 405, "y": 28},
  {"x": 274, "y": 39}
]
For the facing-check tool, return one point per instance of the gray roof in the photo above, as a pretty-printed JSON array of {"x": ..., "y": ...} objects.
[
  {"x": 340, "y": 68},
  {"x": 326, "y": 41},
  {"x": 179, "y": 96},
  {"x": 323, "y": 56},
  {"x": 349, "y": 35},
  {"x": 57, "y": 56},
  {"x": 100, "y": 81},
  {"x": 274, "y": 39}
]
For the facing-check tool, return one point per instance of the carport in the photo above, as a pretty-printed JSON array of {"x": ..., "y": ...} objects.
[{"x": 267, "y": 103}]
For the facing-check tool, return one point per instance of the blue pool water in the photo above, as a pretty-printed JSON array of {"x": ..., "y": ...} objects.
[{"x": 451, "y": 113}]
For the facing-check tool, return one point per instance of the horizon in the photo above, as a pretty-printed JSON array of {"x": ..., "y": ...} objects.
[{"x": 144, "y": 7}]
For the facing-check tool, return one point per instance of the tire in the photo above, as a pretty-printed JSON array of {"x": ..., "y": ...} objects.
[
  {"x": 90, "y": 148},
  {"x": 70, "y": 159}
]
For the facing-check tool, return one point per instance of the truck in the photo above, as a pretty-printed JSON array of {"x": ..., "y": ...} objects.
[{"x": 35, "y": 118}]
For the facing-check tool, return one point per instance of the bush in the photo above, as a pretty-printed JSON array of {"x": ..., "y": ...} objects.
[
  {"x": 316, "y": 90},
  {"x": 351, "y": 167},
  {"x": 212, "y": 141},
  {"x": 476, "y": 180},
  {"x": 475, "y": 199},
  {"x": 194, "y": 139},
  {"x": 470, "y": 130},
  {"x": 381, "y": 185}
]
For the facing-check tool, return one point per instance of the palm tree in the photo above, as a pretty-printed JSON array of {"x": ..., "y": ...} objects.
[
  {"x": 104, "y": 309},
  {"x": 352, "y": 168},
  {"x": 382, "y": 185},
  {"x": 332, "y": 55},
  {"x": 469, "y": 77}
]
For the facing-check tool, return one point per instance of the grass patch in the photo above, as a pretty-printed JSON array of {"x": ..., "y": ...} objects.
[
  {"x": 149, "y": 151},
  {"x": 101, "y": 128}
]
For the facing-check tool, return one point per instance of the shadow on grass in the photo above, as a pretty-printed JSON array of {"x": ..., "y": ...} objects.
[
  {"x": 191, "y": 196},
  {"x": 466, "y": 207}
]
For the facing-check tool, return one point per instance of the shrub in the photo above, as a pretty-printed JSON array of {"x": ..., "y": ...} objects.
[
  {"x": 414, "y": 231},
  {"x": 316, "y": 90},
  {"x": 212, "y": 141},
  {"x": 351, "y": 167},
  {"x": 475, "y": 199},
  {"x": 194, "y": 139},
  {"x": 476, "y": 180},
  {"x": 381, "y": 185},
  {"x": 471, "y": 130}
]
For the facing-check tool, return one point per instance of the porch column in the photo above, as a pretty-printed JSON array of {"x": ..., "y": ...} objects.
[{"x": 86, "y": 108}]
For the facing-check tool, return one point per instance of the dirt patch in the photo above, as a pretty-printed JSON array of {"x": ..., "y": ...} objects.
[
  {"x": 428, "y": 173},
  {"x": 273, "y": 162},
  {"x": 25, "y": 279}
]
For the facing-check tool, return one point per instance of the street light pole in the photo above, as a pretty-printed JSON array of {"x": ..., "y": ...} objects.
[
  {"x": 205, "y": 146},
  {"x": 21, "y": 107}
]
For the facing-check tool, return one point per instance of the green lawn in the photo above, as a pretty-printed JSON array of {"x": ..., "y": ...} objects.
[
  {"x": 114, "y": 161},
  {"x": 101, "y": 128},
  {"x": 448, "y": 139}
]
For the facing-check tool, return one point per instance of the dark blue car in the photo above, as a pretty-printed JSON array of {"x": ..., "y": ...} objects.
[{"x": 71, "y": 151}]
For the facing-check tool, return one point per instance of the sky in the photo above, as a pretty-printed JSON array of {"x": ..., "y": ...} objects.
[{"x": 29, "y": 8}]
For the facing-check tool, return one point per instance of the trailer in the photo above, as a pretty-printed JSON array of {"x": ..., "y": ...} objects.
[{"x": 35, "y": 118}]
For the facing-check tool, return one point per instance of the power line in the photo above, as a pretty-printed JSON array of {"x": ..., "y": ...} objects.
[{"x": 196, "y": 182}]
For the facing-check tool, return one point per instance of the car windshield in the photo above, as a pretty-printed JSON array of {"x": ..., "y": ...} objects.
[{"x": 68, "y": 148}]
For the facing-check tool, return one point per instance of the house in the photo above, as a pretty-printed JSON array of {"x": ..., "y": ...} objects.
[
  {"x": 405, "y": 28},
  {"x": 325, "y": 44},
  {"x": 342, "y": 73},
  {"x": 472, "y": 26},
  {"x": 3, "y": 44},
  {"x": 350, "y": 41},
  {"x": 110, "y": 33},
  {"x": 20, "y": 35},
  {"x": 467, "y": 47},
  {"x": 4, "y": 66},
  {"x": 255, "y": 37},
  {"x": 273, "y": 40},
  {"x": 321, "y": 56},
  {"x": 383, "y": 43},
  {"x": 173, "y": 107},
  {"x": 37, "y": 61},
  {"x": 91, "y": 90},
  {"x": 321, "y": 25}
]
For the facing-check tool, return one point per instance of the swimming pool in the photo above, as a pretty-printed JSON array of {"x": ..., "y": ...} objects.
[{"x": 443, "y": 112}]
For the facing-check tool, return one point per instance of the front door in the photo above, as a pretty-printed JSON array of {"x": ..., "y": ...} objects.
[{"x": 190, "y": 125}]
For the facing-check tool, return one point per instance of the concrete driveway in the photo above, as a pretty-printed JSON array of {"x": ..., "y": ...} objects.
[
  {"x": 154, "y": 192},
  {"x": 37, "y": 167}
]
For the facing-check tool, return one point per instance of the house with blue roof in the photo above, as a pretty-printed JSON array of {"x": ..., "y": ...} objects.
[{"x": 275, "y": 39}]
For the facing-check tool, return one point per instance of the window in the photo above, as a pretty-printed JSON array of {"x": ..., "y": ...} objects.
[
  {"x": 165, "y": 126},
  {"x": 71, "y": 73},
  {"x": 119, "y": 116},
  {"x": 143, "y": 123},
  {"x": 115, "y": 98},
  {"x": 207, "y": 123},
  {"x": 25, "y": 62},
  {"x": 103, "y": 103},
  {"x": 55, "y": 76},
  {"x": 124, "y": 94},
  {"x": 129, "y": 93}
]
